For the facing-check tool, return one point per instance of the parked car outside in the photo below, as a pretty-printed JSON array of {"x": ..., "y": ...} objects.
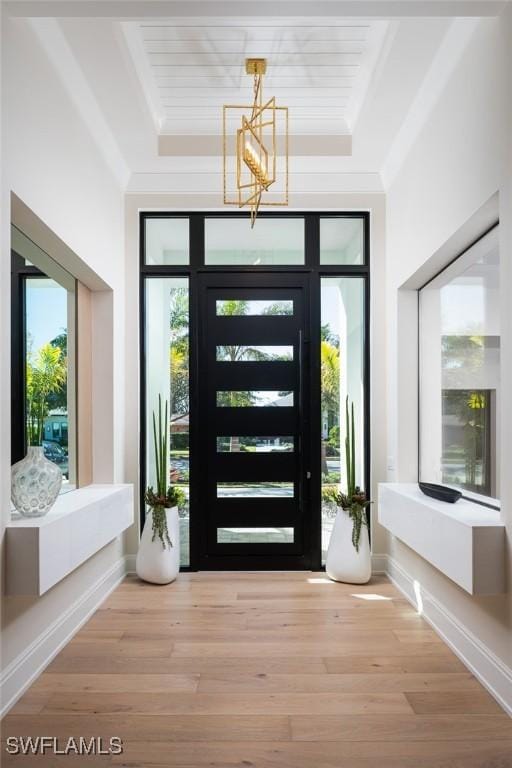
[{"x": 54, "y": 452}]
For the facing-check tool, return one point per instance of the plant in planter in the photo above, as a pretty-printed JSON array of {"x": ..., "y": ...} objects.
[
  {"x": 158, "y": 558},
  {"x": 165, "y": 497},
  {"x": 349, "y": 560}
]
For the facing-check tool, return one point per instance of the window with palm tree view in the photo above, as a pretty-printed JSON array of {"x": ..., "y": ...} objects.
[
  {"x": 167, "y": 375},
  {"x": 342, "y": 377},
  {"x": 460, "y": 372},
  {"x": 46, "y": 319}
]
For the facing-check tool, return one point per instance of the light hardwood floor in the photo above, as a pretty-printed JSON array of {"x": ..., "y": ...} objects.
[{"x": 263, "y": 670}]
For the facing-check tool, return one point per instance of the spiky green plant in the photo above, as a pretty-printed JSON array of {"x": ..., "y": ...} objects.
[
  {"x": 354, "y": 501},
  {"x": 350, "y": 450},
  {"x": 164, "y": 496}
]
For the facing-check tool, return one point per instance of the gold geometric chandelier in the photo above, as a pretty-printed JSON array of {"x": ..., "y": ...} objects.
[{"x": 255, "y": 141}]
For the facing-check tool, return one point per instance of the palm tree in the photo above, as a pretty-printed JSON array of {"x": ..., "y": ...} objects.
[
  {"x": 330, "y": 378},
  {"x": 330, "y": 374},
  {"x": 45, "y": 376}
]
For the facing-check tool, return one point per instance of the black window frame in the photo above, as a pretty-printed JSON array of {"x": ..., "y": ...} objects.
[
  {"x": 315, "y": 271},
  {"x": 20, "y": 271}
]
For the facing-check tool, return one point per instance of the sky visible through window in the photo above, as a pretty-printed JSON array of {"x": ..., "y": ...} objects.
[{"x": 46, "y": 311}]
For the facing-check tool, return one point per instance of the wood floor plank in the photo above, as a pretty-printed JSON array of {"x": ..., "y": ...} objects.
[
  {"x": 331, "y": 595},
  {"x": 214, "y": 609},
  {"x": 111, "y": 683},
  {"x": 400, "y": 664},
  {"x": 194, "y": 665},
  {"x": 416, "y": 636},
  {"x": 339, "y": 635},
  {"x": 257, "y": 602},
  {"x": 54, "y": 761},
  {"x": 307, "y": 649},
  {"x": 451, "y": 702},
  {"x": 180, "y": 600},
  {"x": 105, "y": 648},
  {"x": 120, "y": 620},
  {"x": 32, "y": 702},
  {"x": 344, "y": 683},
  {"x": 227, "y": 704},
  {"x": 404, "y": 728},
  {"x": 94, "y": 635},
  {"x": 346, "y": 619}
]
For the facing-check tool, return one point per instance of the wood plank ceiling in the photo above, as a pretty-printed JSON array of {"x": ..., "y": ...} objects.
[{"x": 319, "y": 70}]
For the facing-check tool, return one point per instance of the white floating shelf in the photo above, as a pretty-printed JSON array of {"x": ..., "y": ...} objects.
[
  {"x": 41, "y": 551},
  {"x": 465, "y": 540}
]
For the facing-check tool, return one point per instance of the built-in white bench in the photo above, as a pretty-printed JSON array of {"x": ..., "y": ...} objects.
[
  {"x": 42, "y": 551},
  {"x": 465, "y": 540}
]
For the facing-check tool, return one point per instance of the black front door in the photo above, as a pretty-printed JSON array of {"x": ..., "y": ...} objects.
[{"x": 254, "y": 422}]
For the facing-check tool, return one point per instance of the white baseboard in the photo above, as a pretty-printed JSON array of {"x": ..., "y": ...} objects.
[
  {"x": 24, "y": 669},
  {"x": 477, "y": 657},
  {"x": 379, "y": 564},
  {"x": 130, "y": 563}
]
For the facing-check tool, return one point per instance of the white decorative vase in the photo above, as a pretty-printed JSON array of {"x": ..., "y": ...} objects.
[
  {"x": 155, "y": 563},
  {"x": 343, "y": 562},
  {"x": 35, "y": 483}
]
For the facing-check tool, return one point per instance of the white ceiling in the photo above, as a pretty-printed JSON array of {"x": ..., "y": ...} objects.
[
  {"x": 150, "y": 78},
  {"x": 319, "y": 70}
]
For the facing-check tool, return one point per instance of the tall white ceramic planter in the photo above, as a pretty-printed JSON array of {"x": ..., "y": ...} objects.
[
  {"x": 35, "y": 483},
  {"x": 343, "y": 562},
  {"x": 155, "y": 563}
]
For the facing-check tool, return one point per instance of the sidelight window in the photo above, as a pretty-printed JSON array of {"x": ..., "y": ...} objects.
[
  {"x": 342, "y": 366},
  {"x": 167, "y": 374}
]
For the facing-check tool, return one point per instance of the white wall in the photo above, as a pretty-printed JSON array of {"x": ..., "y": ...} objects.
[
  {"x": 51, "y": 163},
  {"x": 460, "y": 159}
]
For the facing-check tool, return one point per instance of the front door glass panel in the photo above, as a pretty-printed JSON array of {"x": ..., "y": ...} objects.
[
  {"x": 255, "y": 444},
  {"x": 248, "y": 307},
  {"x": 254, "y": 354},
  {"x": 268, "y": 535}
]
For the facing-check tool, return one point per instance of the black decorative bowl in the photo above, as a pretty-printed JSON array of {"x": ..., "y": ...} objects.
[{"x": 440, "y": 492}]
